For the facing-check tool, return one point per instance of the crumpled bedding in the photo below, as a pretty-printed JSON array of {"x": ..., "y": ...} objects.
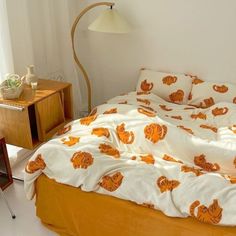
[{"x": 175, "y": 158}]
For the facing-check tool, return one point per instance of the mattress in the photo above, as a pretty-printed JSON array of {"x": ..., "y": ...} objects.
[{"x": 175, "y": 158}]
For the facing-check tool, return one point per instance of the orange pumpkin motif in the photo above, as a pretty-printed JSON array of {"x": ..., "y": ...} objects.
[
  {"x": 155, "y": 132},
  {"x": 220, "y": 111},
  {"x": 126, "y": 137},
  {"x": 194, "y": 170},
  {"x": 111, "y": 111},
  {"x": 207, "y": 166},
  {"x": 37, "y": 164},
  {"x": 171, "y": 159},
  {"x": 64, "y": 130},
  {"x": 70, "y": 141},
  {"x": 167, "y": 185},
  {"x": 186, "y": 129},
  {"x": 208, "y": 102},
  {"x": 220, "y": 89},
  {"x": 147, "y": 113},
  {"x": 88, "y": 120},
  {"x": 149, "y": 159},
  {"x": 210, "y": 215},
  {"x": 212, "y": 128},
  {"x": 82, "y": 160},
  {"x": 112, "y": 183},
  {"x": 164, "y": 108},
  {"x": 145, "y": 101},
  {"x": 199, "y": 115},
  {"x": 146, "y": 87},
  {"x": 169, "y": 80},
  {"x": 101, "y": 132},
  {"x": 109, "y": 150},
  {"x": 177, "y": 96}
]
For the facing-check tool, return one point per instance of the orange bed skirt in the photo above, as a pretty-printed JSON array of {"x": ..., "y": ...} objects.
[{"x": 71, "y": 212}]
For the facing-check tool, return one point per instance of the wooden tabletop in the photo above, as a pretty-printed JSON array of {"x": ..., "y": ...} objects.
[{"x": 30, "y": 96}]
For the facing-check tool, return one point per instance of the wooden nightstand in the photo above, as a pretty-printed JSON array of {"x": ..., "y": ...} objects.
[{"x": 37, "y": 115}]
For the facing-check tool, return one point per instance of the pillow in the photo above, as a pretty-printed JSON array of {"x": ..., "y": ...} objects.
[
  {"x": 170, "y": 87},
  {"x": 205, "y": 94}
]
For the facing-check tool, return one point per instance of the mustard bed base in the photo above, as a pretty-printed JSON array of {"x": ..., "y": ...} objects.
[{"x": 69, "y": 211}]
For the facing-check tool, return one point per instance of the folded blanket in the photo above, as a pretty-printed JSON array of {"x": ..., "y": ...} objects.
[{"x": 175, "y": 158}]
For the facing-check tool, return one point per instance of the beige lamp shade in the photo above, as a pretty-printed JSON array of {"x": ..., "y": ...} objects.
[{"x": 110, "y": 21}]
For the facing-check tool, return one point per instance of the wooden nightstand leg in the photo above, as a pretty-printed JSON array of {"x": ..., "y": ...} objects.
[{"x": 8, "y": 206}]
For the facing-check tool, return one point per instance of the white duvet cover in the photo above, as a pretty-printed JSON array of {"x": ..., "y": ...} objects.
[{"x": 174, "y": 158}]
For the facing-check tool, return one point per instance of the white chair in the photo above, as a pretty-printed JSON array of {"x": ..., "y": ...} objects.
[{"x": 7, "y": 204}]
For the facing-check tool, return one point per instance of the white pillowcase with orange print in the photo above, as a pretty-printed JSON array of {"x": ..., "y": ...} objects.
[
  {"x": 205, "y": 94},
  {"x": 171, "y": 87}
]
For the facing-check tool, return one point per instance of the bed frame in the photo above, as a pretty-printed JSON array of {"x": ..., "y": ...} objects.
[{"x": 72, "y": 212}]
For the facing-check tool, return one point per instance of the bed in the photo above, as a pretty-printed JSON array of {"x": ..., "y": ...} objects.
[{"x": 136, "y": 157}]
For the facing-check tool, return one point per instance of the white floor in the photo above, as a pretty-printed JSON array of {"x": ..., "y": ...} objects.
[{"x": 26, "y": 223}]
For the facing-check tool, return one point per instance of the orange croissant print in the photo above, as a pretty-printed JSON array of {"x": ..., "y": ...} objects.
[
  {"x": 186, "y": 129},
  {"x": 111, "y": 111},
  {"x": 171, "y": 159},
  {"x": 64, "y": 130},
  {"x": 101, "y": 132},
  {"x": 220, "y": 111},
  {"x": 234, "y": 100},
  {"x": 145, "y": 101},
  {"x": 194, "y": 170},
  {"x": 210, "y": 215},
  {"x": 168, "y": 80},
  {"x": 145, "y": 86},
  {"x": 177, "y": 96},
  {"x": 147, "y": 113},
  {"x": 70, "y": 141},
  {"x": 155, "y": 132},
  {"x": 190, "y": 96},
  {"x": 126, "y": 137},
  {"x": 220, "y": 89},
  {"x": 207, "y": 166},
  {"x": 82, "y": 160},
  {"x": 167, "y": 185},
  {"x": 208, "y": 102},
  {"x": 235, "y": 162},
  {"x": 37, "y": 164},
  {"x": 109, "y": 150},
  {"x": 88, "y": 120},
  {"x": 112, "y": 183},
  {"x": 199, "y": 115},
  {"x": 164, "y": 108},
  {"x": 149, "y": 159},
  {"x": 212, "y": 128}
]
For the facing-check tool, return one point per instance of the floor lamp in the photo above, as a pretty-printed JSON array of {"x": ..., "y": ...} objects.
[{"x": 108, "y": 22}]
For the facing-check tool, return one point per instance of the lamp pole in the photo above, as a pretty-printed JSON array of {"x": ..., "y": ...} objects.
[{"x": 76, "y": 58}]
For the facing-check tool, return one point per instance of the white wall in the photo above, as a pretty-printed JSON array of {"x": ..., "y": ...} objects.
[{"x": 194, "y": 36}]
